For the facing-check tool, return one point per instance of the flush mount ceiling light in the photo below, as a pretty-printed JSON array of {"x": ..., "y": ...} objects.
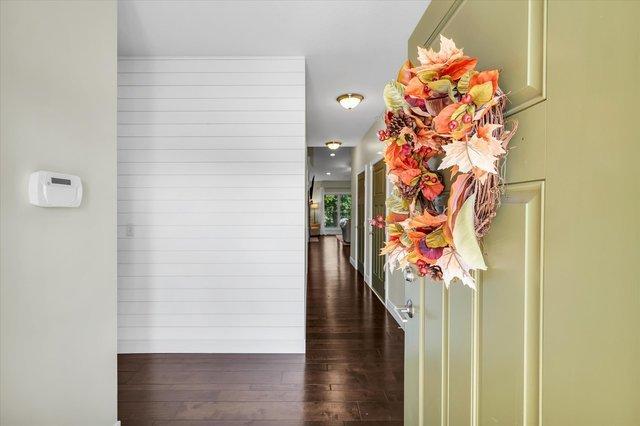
[
  {"x": 333, "y": 145},
  {"x": 349, "y": 100},
  {"x": 328, "y": 173},
  {"x": 333, "y": 154}
]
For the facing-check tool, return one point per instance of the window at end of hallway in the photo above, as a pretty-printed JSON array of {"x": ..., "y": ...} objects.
[{"x": 336, "y": 207}]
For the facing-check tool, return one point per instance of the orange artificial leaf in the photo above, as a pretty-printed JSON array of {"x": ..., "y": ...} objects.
[
  {"x": 432, "y": 190},
  {"x": 442, "y": 120},
  {"x": 427, "y": 220},
  {"x": 483, "y": 77},
  {"x": 404, "y": 75},
  {"x": 408, "y": 176},
  {"x": 486, "y": 131},
  {"x": 416, "y": 88},
  {"x": 392, "y": 153},
  {"x": 393, "y": 217},
  {"x": 459, "y": 67},
  {"x": 389, "y": 247}
]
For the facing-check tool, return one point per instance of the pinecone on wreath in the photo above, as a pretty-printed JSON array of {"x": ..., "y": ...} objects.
[{"x": 398, "y": 121}]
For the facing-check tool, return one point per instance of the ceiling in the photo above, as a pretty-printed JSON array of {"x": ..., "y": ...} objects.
[
  {"x": 321, "y": 162},
  {"x": 350, "y": 46}
]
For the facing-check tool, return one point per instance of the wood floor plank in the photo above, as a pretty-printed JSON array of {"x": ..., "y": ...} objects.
[
  {"x": 306, "y": 411},
  {"x": 163, "y": 376},
  {"x": 247, "y": 423},
  {"x": 351, "y": 373},
  {"x": 381, "y": 411}
]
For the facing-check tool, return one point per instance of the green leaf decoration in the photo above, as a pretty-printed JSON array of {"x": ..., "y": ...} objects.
[
  {"x": 440, "y": 86},
  {"x": 464, "y": 236},
  {"x": 394, "y": 228},
  {"x": 459, "y": 111},
  {"x": 481, "y": 93},
  {"x": 463, "y": 83},
  {"x": 397, "y": 204},
  {"x": 405, "y": 240},
  {"x": 436, "y": 239},
  {"x": 394, "y": 96},
  {"x": 427, "y": 76}
]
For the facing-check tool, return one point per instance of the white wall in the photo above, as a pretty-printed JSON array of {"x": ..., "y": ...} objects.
[
  {"x": 211, "y": 204},
  {"x": 58, "y": 266},
  {"x": 365, "y": 154}
]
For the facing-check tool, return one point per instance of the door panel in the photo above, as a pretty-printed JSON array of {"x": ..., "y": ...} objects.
[
  {"x": 414, "y": 355},
  {"x": 379, "y": 196},
  {"x": 461, "y": 331},
  {"x": 360, "y": 225},
  {"x": 509, "y": 311},
  {"x": 480, "y": 350},
  {"x": 434, "y": 345},
  {"x": 484, "y": 357},
  {"x": 522, "y": 53}
]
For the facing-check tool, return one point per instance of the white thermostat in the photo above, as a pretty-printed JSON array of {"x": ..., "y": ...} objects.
[{"x": 51, "y": 189}]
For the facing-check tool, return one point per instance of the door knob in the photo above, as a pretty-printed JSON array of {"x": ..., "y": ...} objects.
[
  {"x": 406, "y": 312},
  {"x": 409, "y": 275}
]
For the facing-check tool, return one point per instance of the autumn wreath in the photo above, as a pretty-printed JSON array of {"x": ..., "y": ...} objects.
[{"x": 443, "y": 115}]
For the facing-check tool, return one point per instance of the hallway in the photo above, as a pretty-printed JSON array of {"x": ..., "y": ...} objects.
[{"x": 351, "y": 374}]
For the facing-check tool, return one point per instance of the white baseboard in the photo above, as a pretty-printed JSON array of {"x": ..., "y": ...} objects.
[
  {"x": 353, "y": 263},
  {"x": 211, "y": 346},
  {"x": 391, "y": 308}
]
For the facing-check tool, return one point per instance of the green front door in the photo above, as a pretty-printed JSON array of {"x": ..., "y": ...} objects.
[
  {"x": 379, "y": 196},
  {"x": 550, "y": 337}
]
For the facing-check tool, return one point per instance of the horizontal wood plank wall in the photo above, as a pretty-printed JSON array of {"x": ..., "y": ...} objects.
[{"x": 211, "y": 192}]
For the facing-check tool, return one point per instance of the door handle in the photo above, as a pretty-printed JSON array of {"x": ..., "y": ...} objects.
[
  {"x": 409, "y": 275},
  {"x": 405, "y": 312}
]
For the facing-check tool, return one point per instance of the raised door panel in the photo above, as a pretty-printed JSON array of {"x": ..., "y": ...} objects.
[
  {"x": 508, "y": 312},
  {"x": 460, "y": 377},
  {"x": 508, "y": 35},
  {"x": 481, "y": 354},
  {"x": 504, "y": 34},
  {"x": 434, "y": 364}
]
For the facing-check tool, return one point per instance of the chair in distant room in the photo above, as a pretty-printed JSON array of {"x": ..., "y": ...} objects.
[{"x": 345, "y": 226}]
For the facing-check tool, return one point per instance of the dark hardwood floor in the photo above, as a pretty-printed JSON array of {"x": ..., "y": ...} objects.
[{"x": 352, "y": 372}]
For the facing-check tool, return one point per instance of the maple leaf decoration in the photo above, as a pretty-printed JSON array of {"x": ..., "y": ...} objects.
[
  {"x": 478, "y": 154},
  {"x": 453, "y": 266}
]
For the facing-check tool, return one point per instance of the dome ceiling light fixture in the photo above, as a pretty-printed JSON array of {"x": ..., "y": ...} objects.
[
  {"x": 333, "y": 154},
  {"x": 333, "y": 145},
  {"x": 349, "y": 100}
]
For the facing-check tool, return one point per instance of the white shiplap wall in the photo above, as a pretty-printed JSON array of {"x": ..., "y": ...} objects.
[{"x": 211, "y": 204}]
